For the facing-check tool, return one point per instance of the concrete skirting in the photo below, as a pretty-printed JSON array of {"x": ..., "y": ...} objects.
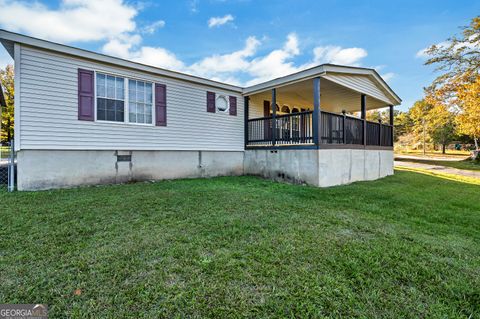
[
  {"x": 324, "y": 167},
  {"x": 45, "y": 169}
]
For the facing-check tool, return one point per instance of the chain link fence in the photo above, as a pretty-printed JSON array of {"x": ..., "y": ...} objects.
[{"x": 7, "y": 167}]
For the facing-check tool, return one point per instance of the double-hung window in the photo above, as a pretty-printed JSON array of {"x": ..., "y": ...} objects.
[
  {"x": 140, "y": 102},
  {"x": 110, "y": 98},
  {"x": 114, "y": 104}
]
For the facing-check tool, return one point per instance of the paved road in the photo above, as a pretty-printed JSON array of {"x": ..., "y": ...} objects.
[{"x": 439, "y": 169}]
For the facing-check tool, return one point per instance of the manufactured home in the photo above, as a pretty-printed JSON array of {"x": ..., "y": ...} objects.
[{"x": 84, "y": 118}]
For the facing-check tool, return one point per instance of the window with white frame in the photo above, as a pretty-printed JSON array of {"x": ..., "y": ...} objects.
[
  {"x": 116, "y": 105},
  {"x": 140, "y": 102},
  {"x": 110, "y": 98}
]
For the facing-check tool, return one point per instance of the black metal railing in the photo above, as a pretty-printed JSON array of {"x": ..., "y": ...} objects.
[
  {"x": 353, "y": 130},
  {"x": 331, "y": 128},
  {"x": 373, "y": 133},
  {"x": 386, "y": 136},
  {"x": 295, "y": 128}
]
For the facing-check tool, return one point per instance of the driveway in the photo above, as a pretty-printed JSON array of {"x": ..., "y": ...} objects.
[{"x": 439, "y": 169}]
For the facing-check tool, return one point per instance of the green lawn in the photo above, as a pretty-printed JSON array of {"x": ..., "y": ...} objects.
[
  {"x": 407, "y": 246},
  {"x": 465, "y": 164}
]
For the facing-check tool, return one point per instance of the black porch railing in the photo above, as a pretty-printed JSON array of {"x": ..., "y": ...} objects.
[
  {"x": 293, "y": 128},
  {"x": 297, "y": 129}
]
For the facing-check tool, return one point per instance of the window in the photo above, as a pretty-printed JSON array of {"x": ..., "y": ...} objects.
[
  {"x": 140, "y": 102},
  {"x": 222, "y": 103},
  {"x": 110, "y": 98}
]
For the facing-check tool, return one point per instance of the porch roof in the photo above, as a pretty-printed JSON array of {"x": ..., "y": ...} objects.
[{"x": 354, "y": 79}]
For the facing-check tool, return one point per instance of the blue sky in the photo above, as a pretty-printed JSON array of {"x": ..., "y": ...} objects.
[{"x": 244, "y": 42}]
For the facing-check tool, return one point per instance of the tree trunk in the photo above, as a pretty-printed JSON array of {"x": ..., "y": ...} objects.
[
  {"x": 476, "y": 143},
  {"x": 443, "y": 148}
]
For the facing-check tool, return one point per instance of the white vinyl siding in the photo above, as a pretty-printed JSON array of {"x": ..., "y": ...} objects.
[
  {"x": 359, "y": 83},
  {"x": 49, "y": 111}
]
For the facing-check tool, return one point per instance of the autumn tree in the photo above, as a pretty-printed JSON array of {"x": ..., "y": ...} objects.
[
  {"x": 402, "y": 123},
  {"x": 6, "y": 79},
  {"x": 418, "y": 114},
  {"x": 468, "y": 119},
  {"x": 459, "y": 61}
]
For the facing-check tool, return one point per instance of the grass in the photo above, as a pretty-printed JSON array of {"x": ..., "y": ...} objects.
[
  {"x": 406, "y": 246},
  {"x": 469, "y": 165},
  {"x": 4, "y": 151}
]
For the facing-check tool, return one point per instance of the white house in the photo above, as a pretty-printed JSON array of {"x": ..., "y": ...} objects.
[{"x": 87, "y": 118}]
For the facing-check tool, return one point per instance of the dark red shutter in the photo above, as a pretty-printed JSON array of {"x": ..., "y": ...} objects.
[
  {"x": 211, "y": 102},
  {"x": 233, "y": 105},
  {"x": 160, "y": 104},
  {"x": 86, "y": 95}
]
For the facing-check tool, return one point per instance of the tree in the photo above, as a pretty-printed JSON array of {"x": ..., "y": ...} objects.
[
  {"x": 468, "y": 120},
  {"x": 440, "y": 118},
  {"x": 402, "y": 123},
  {"x": 6, "y": 79},
  {"x": 457, "y": 56},
  {"x": 418, "y": 114},
  {"x": 458, "y": 87}
]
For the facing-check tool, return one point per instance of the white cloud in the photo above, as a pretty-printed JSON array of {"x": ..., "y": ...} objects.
[
  {"x": 218, "y": 21},
  {"x": 113, "y": 23},
  {"x": 121, "y": 45},
  {"x": 388, "y": 76},
  {"x": 275, "y": 64},
  {"x": 193, "y": 5},
  {"x": 467, "y": 45},
  {"x": 232, "y": 62},
  {"x": 73, "y": 21},
  {"x": 127, "y": 47},
  {"x": 151, "y": 28},
  {"x": 159, "y": 57},
  {"x": 339, "y": 55}
]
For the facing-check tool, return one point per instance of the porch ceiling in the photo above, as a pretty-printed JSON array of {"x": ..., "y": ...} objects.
[{"x": 333, "y": 97}]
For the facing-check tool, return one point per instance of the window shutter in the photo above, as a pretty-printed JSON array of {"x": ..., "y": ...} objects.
[
  {"x": 233, "y": 105},
  {"x": 160, "y": 104},
  {"x": 211, "y": 102},
  {"x": 86, "y": 95}
]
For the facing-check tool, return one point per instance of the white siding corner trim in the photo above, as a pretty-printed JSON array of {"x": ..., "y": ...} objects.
[{"x": 17, "y": 101}]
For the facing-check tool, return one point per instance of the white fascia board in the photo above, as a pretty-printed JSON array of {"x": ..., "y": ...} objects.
[
  {"x": 6, "y": 37},
  {"x": 319, "y": 71},
  {"x": 285, "y": 80}
]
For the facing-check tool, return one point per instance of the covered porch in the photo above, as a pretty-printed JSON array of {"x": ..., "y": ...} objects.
[
  {"x": 312, "y": 127},
  {"x": 318, "y": 112}
]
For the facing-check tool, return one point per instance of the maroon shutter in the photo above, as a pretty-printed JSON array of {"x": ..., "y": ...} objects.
[
  {"x": 211, "y": 102},
  {"x": 85, "y": 95},
  {"x": 233, "y": 105},
  {"x": 160, "y": 104}
]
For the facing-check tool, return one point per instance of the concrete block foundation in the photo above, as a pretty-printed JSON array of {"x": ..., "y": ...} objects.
[
  {"x": 323, "y": 167},
  {"x": 45, "y": 169},
  {"x": 42, "y": 169}
]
